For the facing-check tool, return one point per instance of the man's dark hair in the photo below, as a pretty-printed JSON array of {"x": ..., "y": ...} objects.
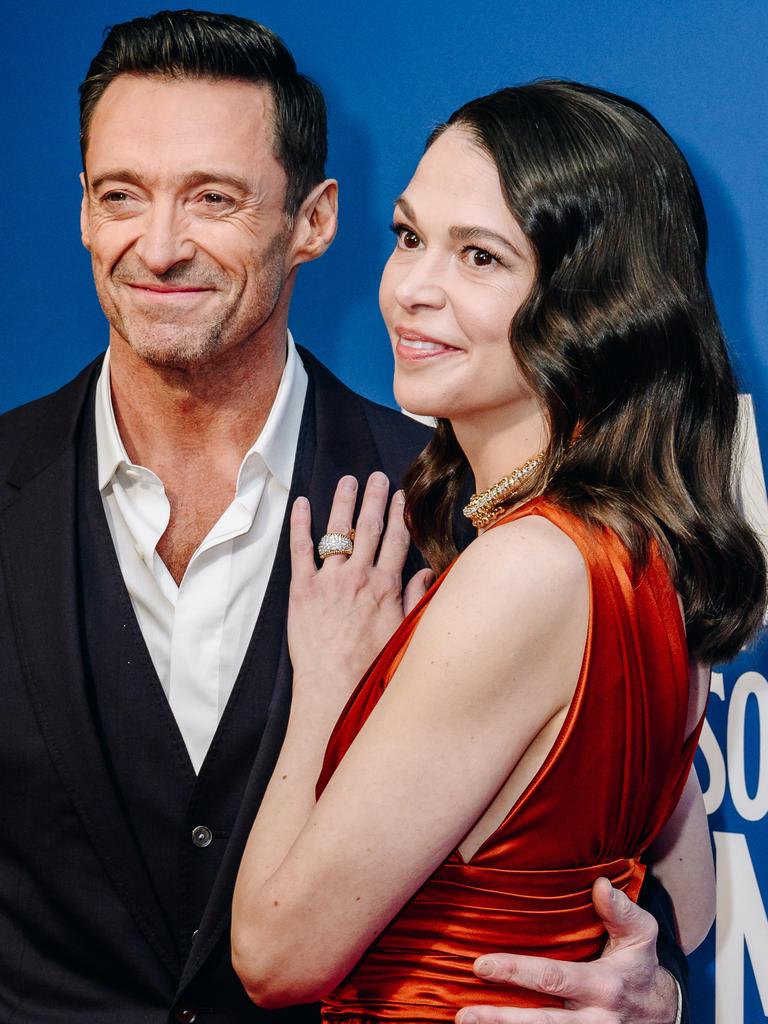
[{"x": 199, "y": 44}]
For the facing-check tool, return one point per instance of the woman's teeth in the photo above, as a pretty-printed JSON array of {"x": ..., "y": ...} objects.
[{"x": 423, "y": 345}]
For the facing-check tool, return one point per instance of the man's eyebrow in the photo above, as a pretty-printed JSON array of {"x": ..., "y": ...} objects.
[
  {"x": 116, "y": 175},
  {"x": 462, "y": 233},
  {"x": 203, "y": 177}
]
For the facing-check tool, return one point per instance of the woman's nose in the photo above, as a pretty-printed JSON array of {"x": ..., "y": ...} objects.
[{"x": 421, "y": 283}]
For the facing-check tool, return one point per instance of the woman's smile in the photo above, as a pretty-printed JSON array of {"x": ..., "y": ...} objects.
[{"x": 414, "y": 347}]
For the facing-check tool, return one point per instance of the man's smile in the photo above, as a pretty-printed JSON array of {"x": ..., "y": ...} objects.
[{"x": 168, "y": 293}]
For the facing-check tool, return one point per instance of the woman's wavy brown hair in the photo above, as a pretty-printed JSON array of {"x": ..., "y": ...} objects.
[{"x": 620, "y": 341}]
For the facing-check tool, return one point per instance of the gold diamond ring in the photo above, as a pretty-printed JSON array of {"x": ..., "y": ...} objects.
[{"x": 335, "y": 544}]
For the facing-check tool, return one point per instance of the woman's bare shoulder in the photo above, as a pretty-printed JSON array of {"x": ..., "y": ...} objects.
[
  {"x": 519, "y": 594},
  {"x": 526, "y": 558}
]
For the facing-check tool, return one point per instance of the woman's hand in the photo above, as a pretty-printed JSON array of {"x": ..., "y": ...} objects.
[{"x": 341, "y": 615}]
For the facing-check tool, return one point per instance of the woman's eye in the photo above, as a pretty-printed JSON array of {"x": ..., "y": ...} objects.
[
  {"x": 481, "y": 258},
  {"x": 406, "y": 239}
]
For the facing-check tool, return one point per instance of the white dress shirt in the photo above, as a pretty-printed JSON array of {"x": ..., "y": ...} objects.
[{"x": 197, "y": 632}]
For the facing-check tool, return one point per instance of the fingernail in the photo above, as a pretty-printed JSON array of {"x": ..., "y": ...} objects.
[{"x": 484, "y": 968}]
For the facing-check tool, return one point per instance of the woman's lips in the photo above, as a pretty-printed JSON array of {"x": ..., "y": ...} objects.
[{"x": 414, "y": 347}]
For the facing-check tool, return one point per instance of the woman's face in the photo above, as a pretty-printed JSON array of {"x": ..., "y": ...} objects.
[{"x": 460, "y": 270}]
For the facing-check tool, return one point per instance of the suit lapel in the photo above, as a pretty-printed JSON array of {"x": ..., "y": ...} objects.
[
  {"x": 334, "y": 440},
  {"x": 344, "y": 443},
  {"x": 38, "y": 551}
]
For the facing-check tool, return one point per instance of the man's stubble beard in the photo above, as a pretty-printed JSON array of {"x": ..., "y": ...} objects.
[
  {"x": 170, "y": 346},
  {"x": 166, "y": 345}
]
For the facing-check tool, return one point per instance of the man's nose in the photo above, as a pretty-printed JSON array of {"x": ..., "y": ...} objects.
[
  {"x": 422, "y": 284},
  {"x": 164, "y": 240}
]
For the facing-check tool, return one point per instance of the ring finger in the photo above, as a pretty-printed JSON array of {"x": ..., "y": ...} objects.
[{"x": 342, "y": 511}]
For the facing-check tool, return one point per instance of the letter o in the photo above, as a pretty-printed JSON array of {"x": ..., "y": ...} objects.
[{"x": 750, "y": 684}]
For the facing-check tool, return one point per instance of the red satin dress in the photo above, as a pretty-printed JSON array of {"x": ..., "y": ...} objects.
[{"x": 612, "y": 778}]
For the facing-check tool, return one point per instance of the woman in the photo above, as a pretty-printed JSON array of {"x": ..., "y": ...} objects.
[{"x": 531, "y": 724}]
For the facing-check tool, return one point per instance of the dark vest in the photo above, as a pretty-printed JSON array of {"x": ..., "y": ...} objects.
[{"x": 181, "y": 822}]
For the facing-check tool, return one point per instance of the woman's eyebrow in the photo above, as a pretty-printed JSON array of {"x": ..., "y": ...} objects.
[
  {"x": 475, "y": 233},
  {"x": 464, "y": 233},
  {"x": 406, "y": 207}
]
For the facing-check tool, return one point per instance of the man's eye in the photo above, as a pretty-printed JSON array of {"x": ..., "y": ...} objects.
[{"x": 215, "y": 200}]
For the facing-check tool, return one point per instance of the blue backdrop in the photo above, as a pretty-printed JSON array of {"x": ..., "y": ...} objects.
[{"x": 389, "y": 73}]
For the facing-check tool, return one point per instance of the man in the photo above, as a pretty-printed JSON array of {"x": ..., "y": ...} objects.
[{"x": 143, "y": 547}]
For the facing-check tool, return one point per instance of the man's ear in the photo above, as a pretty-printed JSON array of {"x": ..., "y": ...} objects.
[
  {"x": 315, "y": 223},
  {"x": 85, "y": 229}
]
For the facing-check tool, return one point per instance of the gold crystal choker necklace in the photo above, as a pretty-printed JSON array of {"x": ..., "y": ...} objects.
[{"x": 483, "y": 508}]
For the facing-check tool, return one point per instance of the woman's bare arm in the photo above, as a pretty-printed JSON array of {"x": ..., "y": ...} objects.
[
  {"x": 682, "y": 861},
  {"x": 681, "y": 856},
  {"x": 320, "y": 881}
]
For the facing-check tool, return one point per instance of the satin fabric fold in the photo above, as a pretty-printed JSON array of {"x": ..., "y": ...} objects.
[{"x": 607, "y": 786}]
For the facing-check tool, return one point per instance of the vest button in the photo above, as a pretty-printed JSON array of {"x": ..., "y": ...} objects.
[
  {"x": 201, "y": 836},
  {"x": 185, "y": 1015}
]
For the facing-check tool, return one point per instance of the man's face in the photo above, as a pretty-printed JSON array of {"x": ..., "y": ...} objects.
[{"x": 183, "y": 215}]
